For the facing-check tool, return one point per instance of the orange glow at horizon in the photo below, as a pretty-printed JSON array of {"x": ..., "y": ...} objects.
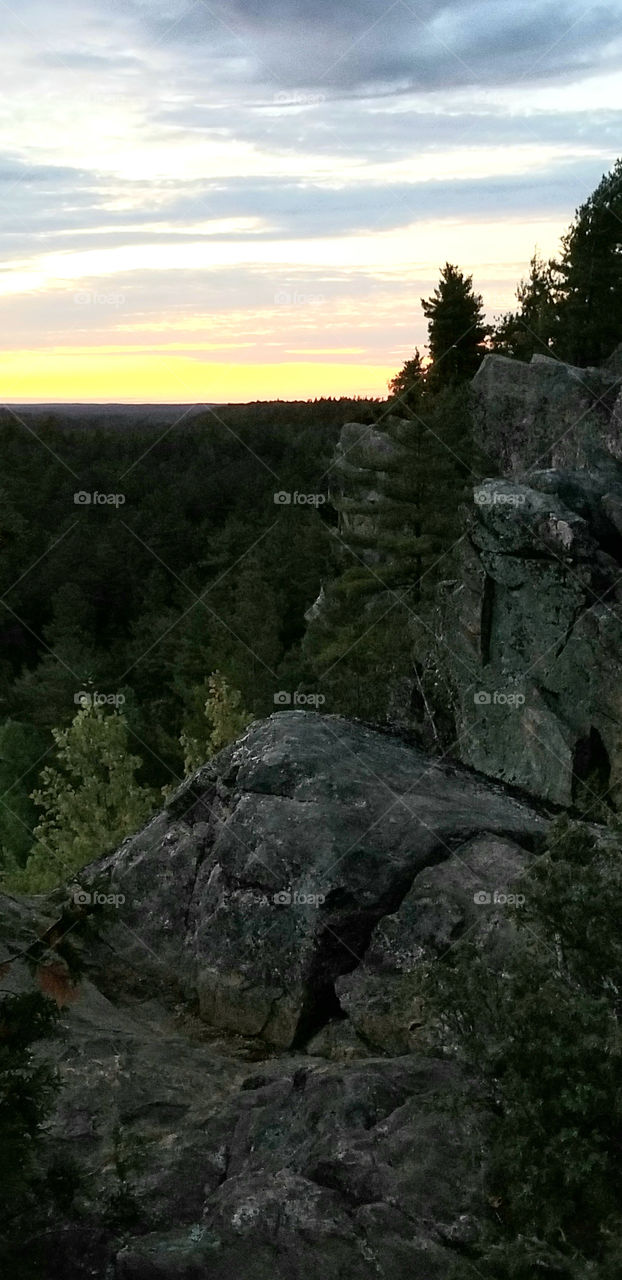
[{"x": 54, "y": 377}]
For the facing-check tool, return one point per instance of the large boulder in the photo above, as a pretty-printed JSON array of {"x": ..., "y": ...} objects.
[
  {"x": 194, "y": 1164},
  {"x": 311, "y": 849},
  {"x": 468, "y": 893},
  {"x": 545, "y": 414},
  {"x": 263, "y": 880}
]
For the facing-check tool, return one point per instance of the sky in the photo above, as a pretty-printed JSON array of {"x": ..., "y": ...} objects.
[{"x": 226, "y": 201}]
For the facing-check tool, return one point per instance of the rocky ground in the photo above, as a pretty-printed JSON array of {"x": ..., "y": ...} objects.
[{"x": 246, "y": 1078}]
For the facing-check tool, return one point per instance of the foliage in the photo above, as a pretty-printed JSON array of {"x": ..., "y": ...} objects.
[
  {"x": 374, "y": 635},
  {"x": 121, "y": 1209},
  {"x": 199, "y": 570},
  {"x": 90, "y": 799},
  {"x": 359, "y": 645},
  {"x": 571, "y": 306},
  {"x": 408, "y": 385},
  {"x": 224, "y": 719},
  {"x": 529, "y": 330},
  {"x": 456, "y": 329},
  {"x": 542, "y": 1033},
  {"x": 22, "y": 748},
  {"x": 589, "y": 276},
  {"x": 422, "y": 486}
]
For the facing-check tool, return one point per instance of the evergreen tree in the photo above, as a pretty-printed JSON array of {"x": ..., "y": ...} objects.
[
  {"x": 90, "y": 799},
  {"x": 418, "y": 518},
  {"x": 22, "y": 748},
  {"x": 223, "y": 719},
  {"x": 456, "y": 329},
  {"x": 246, "y": 632},
  {"x": 358, "y": 645},
  {"x": 589, "y": 277},
  {"x": 408, "y": 385},
  {"x": 399, "y": 525},
  {"x": 529, "y": 330}
]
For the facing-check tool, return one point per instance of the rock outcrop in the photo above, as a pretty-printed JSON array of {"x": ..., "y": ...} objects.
[
  {"x": 534, "y": 627},
  {"x": 545, "y": 414},
  {"x": 262, "y": 882},
  {"x": 275, "y": 913},
  {"x": 357, "y": 473},
  {"x": 527, "y": 640}
]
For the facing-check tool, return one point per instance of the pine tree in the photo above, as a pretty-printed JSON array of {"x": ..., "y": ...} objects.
[
  {"x": 401, "y": 525},
  {"x": 418, "y": 518},
  {"x": 529, "y": 330},
  {"x": 358, "y": 645},
  {"x": 223, "y": 719},
  {"x": 589, "y": 308},
  {"x": 408, "y": 385},
  {"x": 456, "y": 329},
  {"x": 245, "y": 625},
  {"x": 90, "y": 799}
]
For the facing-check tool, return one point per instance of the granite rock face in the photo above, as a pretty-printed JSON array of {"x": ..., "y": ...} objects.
[
  {"x": 357, "y": 473},
  {"x": 336, "y": 1152},
  {"x": 545, "y": 414},
  {"x": 263, "y": 881},
  {"x": 467, "y": 893},
  {"x": 536, "y": 634}
]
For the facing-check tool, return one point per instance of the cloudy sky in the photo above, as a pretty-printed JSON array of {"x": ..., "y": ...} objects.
[{"x": 211, "y": 200}]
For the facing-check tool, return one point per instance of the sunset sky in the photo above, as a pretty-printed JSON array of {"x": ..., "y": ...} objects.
[{"x": 203, "y": 202}]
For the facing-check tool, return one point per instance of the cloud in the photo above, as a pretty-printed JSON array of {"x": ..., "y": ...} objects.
[
  {"x": 400, "y": 44},
  {"x": 47, "y": 208},
  {"x": 192, "y": 155}
]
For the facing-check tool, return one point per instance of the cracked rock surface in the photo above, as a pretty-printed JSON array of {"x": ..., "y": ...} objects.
[
  {"x": 262, "y": 882},
  {"x": 536, "y": 634},
  {"x": 244, "y": 1037}
]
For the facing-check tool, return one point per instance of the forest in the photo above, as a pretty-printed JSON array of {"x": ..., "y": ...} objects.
[{"x": 158, "y": 584}]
